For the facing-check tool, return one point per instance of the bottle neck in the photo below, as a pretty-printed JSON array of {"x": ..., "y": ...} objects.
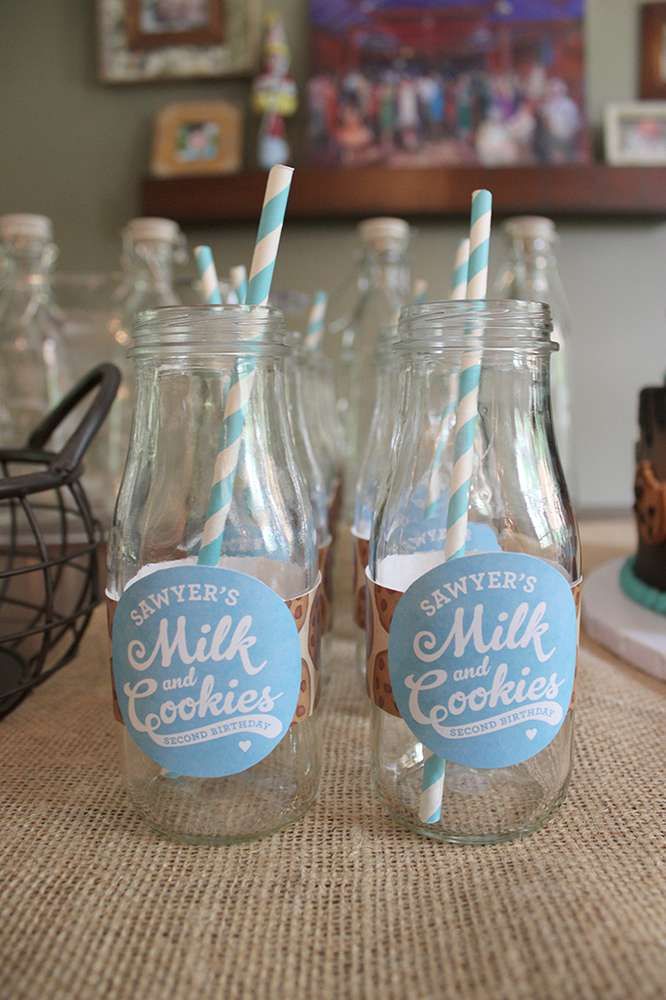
[
  {"x": 29, "y": 265},
  {"x": 387, "y": 269},
  {"x": 534, "y": 261},
  {"x": 148, "y": 264}
]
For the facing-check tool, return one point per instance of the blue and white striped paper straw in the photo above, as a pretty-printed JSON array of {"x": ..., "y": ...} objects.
[
  {"x": 420, "y": 291},
  {"x": 460, "y": 268},
  {"x": 315, "y": 328},
  {"x": 434, "y": 767},
  {"x": 468, "y": 391},
  {"x": 458, "y": 291},
  {"x": 203, "y": 256},
  {"x": 238, "y": 277},
  {"x": 242, "y": 379},
  {"x": 268, "y": 234}
]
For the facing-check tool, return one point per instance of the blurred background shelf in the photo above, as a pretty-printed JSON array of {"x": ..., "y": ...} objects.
[{"x": 585, "y": 190}]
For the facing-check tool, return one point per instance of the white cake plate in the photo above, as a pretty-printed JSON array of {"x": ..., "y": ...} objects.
[{"x": 625, "y": 628}]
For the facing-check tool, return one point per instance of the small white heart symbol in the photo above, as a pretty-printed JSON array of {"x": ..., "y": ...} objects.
[
  {"x": 245, "y": 745},
  {"x": 530, "y": 733}
]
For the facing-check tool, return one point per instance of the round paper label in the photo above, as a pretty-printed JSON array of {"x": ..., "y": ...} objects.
[
  {"x": 207, "y": 668},
  {"x": 482, "y": 656}
]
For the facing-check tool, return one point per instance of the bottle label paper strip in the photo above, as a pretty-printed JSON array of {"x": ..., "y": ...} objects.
[
  {"x": 361, "y": 550},
  {"x": 326, "y": 570},
  {"x": 335, "y": 508},
  {"x": 211, "y": 667},
  {"x": 478, "y": 656}
]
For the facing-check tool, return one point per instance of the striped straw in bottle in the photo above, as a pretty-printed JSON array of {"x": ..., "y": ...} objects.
[
  {"x": 458, "y": 291},
  {"x": 432, "y": 783},
  {"x": 238, "y": 277},
  {"x": 203, "y": 256},
  {"x": 419, "y": 291},
  {"x": 242, "y": 379},
  {"x": 315, "y": 328}
]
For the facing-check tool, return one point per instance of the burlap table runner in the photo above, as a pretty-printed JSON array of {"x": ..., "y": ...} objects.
[{"x": 343, "y": 904}]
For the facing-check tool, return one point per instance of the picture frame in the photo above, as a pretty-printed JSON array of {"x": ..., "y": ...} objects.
[
  {"x": 154, "y": 26},
  {"x": 447, "y": 83},
  {"x": 653, "y": 52},
  {"x": 195, "y": 138},
  {"x": 190, "y": 39},
  {"x": 635, "y": 133}
]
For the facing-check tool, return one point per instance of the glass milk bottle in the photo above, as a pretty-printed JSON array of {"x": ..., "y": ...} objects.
[
  {"x": 382, "y": 288},
  {"x": 531, "y": 273},
  {"x": 33, "y": 364},
  {"x": 150, "y": 249},
  {"x": 471, "y": 662},
  {"x": 307, "y": 458},
  {"x": 213, "y": 583},
  {"x": 315, "y": 373},
  {"x": 375, "y": 464}
]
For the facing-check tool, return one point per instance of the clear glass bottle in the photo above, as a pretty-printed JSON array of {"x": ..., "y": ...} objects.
[
  {"x": 315, "y": 373},
  {"x": 187, "y": 361},
  {"x": 383, "y": 285},
  {"x": 374, "y": 466},
  {"x": 85, "y": 303},
  {"x": 498, "y": 783},
  {"x": 150, "y": 249},
  {"x": 313, "y": 476},
  {"x": 531, "y": 273},
  {"x": 33, "y": 360}
]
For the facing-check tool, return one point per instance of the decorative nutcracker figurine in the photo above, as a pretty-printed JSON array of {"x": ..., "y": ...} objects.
[{"x": 274, "y": 95}]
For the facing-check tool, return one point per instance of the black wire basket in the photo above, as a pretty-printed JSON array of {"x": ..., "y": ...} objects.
[{"x": 49, "y": 538}]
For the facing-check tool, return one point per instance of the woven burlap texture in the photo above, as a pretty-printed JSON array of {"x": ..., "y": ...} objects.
[{"x": 343, "y": 904}]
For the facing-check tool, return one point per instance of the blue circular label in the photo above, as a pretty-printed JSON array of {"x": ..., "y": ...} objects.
[
  {"x": 206, "y": 667},
  {"x": 482, "y": 656}
]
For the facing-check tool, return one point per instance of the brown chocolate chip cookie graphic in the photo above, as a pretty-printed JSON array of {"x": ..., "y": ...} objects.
[
  {"x": 361, "y": 553},
  {"x": 326, "y": 569},
  {"x": 650, "y": 505},
  {"x": 359, "y": 607},
  {"x": 314, "y": 633},
  {"x": 298, "y": 607},
  {"x": 386, "y": 605},
  {"x": 382, "y": 693},
  {"x": 369, "y": 617},
  {"x": 304, "y": 704}
]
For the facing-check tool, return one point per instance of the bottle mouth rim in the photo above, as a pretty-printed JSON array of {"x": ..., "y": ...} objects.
[
  {"x": 480, "y": 324},
  {"x": 209, "y": 330}
]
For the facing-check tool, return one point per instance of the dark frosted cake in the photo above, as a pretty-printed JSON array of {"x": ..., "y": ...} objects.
[{"x": 643, "y": 577}]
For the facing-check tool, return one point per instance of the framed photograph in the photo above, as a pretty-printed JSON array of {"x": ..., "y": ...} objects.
[
  {"x": 635, "y": 133},
  {"x": 446, "y": 82},
  {"x": 653, "y": 51},
  {"x": 197, "y": 137},
  {"x": 143, "y": 40},
  {"x": 156, "y": 24}
]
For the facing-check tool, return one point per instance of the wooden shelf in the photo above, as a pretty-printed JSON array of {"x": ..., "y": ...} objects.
[{"x": 590, "y": 190}]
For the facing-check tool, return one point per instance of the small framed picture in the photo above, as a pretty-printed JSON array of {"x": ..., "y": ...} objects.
[
  {"x": 635, "y": 133},
  {"x": 142, "y": 40},
  {"x": 653, "y": 51},
  {"x": 197, "y": 137},
  {"x": 155, "y": 24}
]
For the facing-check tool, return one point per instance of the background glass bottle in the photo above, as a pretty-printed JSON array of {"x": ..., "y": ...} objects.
[
  {"x": 531, "y": 273},
  {"x": 382, "y": 287},
  {"x": 33, "y": 360},
  {"x": 519, "y": 503},
  {"x": 374, "y": 466},
  {"x": 304, "y": 445},
  {"x": 150, "y": 248}
]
